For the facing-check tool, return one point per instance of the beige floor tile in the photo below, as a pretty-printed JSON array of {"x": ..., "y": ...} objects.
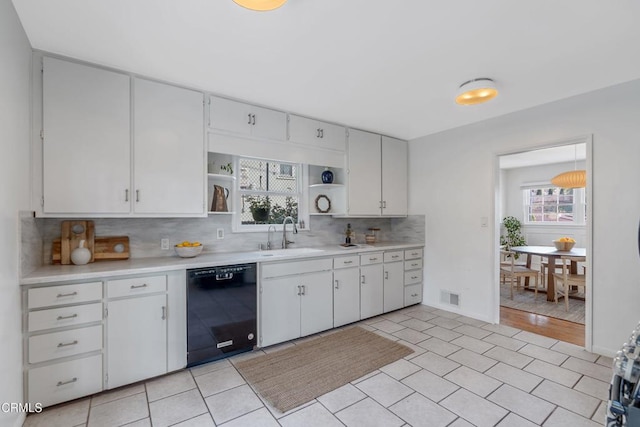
[
  {"x": 443, "y": 333},
  {"x": 445, "y": 322},
  {"x": 435, "y": 363},
  {"x": 504, "y": 341},
  {"x": 411, "y": 335},
  {"x": 64, "y": 415},
  {"x": 524, "y": 404},
  {"x": 119, "y": 412},
  {"x": 563, "y": 418},
  {"x": 177, "y": 408},
  {"x": 445, "y": 314},
  {"x": 605, "y": 361},
  {"x": 575, "y": 351},
  {"x": 422, "y": 315},
  {"x": 592, "y": 387},
  {"x": 232, "y": 403},
  {"x": 438, "y": 346},
  {"x": 419, "y": 411},
  {"x": 513, "y": 420},
  {"x": 430, "y": 385},
  {"x": 535, "y": 339},
  {"x": 461, "y": 422},
  {"x": 400, "y": 369},
  {"x": 418, "y": 325},
  {"x": 203, "y": 420},
  {"x": 342, "y": 397},
  {"x": 472, "y": 344},
  {"x": 384, "y": 389},
  {"x": 145, "y": 422},
  {"x": 315, "y": 415},
  {"x": 417, "y": 351},
  {"x": 388, "y": 326},
  {"x": 118, "y": 393},
  {"x": 554, "y": 373},
  {"x": 474, "y": 381},
  {"x": 601, "y": 413},
  {"x": 509, "y": 357},
  {"x": 368, "y": 413},
  {"x": 472, "y": 331},
  {"x": 507, "y": 331},
  {"x": 471, "y": 321},
  {"x": 478, "y": 411},
  {"x": 593, "y": 370},
  {"x": 259, "y": 418},
  {"x": 168, "y": 385},
  {"x": 210, "y": 367},
  {"x": 396, "y": 317},
  {"x": 567, "y": 398},
  {"x": 365, "y": 377},
  {"x": 386, "y": 335},
  {"x": 220, "y": 380},
  {"x": 472, "y": 360},
  {"x": 544, "y": 354},
  {"x": 514, "y": 377}
]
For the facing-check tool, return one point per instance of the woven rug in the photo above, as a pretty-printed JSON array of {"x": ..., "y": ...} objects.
[
  {"x": 295, "y": 375},
  {"x": 524, "y": 300}
]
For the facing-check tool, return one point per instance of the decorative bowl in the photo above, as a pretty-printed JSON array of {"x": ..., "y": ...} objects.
[
  {"x": 563, "y": 246},
  {"x": 188, "y": 251}
]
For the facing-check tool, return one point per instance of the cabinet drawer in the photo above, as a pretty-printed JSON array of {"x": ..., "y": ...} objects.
[
  {"x": 374, "y": 258},
  {"x": 346, "y": 261},
  {"x": 412, "y": 277},
  {"x": 278, "y": 269},
  {"x": 65, "y": 316},
  {"x": 65, "y": 381},
  {"x": 412, "y": 295},
  {"x": 413, "y": 253},
  {"x": 64, "y": 294},
  {"x": 413, "y": 264},
  {"x": 66, "y": 343},
  {"x": 136, "y": 286},
  {"x": 393, "y": 256}
]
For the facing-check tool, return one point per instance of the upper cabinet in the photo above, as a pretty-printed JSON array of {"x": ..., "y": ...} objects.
[
  {"x": 245, "y": 119},
  {"x": 316, "y": 133},
  {"x": 377, "y": 171},
  {"x": 86, "y": 139}
]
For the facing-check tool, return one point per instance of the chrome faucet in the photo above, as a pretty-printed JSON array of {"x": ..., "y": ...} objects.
[
  {"x": 269, "y": 235},
  {"x": 286, "y": 242}
]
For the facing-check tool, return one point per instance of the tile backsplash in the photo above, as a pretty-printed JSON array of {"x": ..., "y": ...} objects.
[{"x": 145, "y": 234}]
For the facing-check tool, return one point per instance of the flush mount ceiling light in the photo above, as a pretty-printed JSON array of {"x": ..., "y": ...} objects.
[
  {"x": 261, "y": 5},
  {"x": 476, "y": 91},
  {"x": 572, "y": 179}
]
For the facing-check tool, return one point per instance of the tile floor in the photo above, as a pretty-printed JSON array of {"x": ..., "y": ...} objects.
[{"x": 463, "y": 372}]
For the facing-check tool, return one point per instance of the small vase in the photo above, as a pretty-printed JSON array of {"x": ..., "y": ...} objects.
[{"x": 327, "y": 176}]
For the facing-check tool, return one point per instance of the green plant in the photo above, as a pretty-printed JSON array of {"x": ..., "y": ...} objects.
[
  {"x": 265, "y": 211},
  {"x": 227, "y": 168},
  {"x": 513, "y": 237}
]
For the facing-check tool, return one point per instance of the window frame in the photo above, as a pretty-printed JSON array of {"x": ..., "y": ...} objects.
[{"x": 579, "y": 205}]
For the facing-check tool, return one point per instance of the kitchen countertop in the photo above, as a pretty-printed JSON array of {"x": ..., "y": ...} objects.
[{"x": 97, "y": 270}]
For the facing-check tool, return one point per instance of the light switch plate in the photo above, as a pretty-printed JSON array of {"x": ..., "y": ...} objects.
[{"x": 220, "y": 233}]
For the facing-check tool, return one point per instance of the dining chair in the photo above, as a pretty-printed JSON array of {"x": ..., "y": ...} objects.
[
  {"x": 514, "y": 272},
  {"x": 568, "y": 279},
  {"x": 505, "y": 261},
  {"x": 544, "y": 265}
]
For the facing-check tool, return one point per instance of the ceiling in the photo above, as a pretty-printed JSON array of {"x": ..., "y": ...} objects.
[
  {"x": 545, "y": 156},
  {"x": 386, "y": 66}
]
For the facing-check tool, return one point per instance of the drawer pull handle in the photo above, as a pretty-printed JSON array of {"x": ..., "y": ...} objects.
[
  {"x": 348, "y": 262},
  {"x": 414, "y": 295},
  {"x": 414, "y": 265},
  {"x": 386, "y": 275},
  {"x": 362, "y": 281},
  {"x": 73, "y": 380},
  {"x": 299, "y": 290},
  {"x": 66, "y": 344},
  {"x": 414, "y": 253},
  {"x": 373, "y": 259},
  {"x": 414, "y": 277},
  {"x": 164, "y": 312},
  {"x": 395, "y": 256},
  {"x": 67, "y": 317},
  {"x": 337, "y": 284},
  {"x": 70, "y": 294},
  {"x": 144, "y": 285}
]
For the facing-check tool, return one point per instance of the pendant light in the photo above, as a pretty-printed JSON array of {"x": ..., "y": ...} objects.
[
  {"x": 576, "y": 178},
  {"x": 476, "y": 91},
  {"x": 261, "y": 5}
]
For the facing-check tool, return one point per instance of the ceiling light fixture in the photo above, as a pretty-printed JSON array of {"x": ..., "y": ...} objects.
[
  {"x": 572, "y": 179},
  {"x": 261, "y": 5},
  {"x": 476, "y": 91}
]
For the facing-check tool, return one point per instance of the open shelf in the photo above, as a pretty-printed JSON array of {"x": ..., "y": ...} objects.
[
  {"x": 326, "y": 185},
  {"x": 221, "y": 177},
  {"x": 219, "y": 213}
]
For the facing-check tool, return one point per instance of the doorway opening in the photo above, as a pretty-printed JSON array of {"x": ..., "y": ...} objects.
[{"x": 544, "y": 212}]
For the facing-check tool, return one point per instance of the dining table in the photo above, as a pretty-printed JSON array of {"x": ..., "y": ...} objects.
[{"x": 552, "y": 254}]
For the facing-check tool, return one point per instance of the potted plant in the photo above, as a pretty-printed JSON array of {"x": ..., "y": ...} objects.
[
  {"x": 514, "y": 236},
  {"x": 260, "y": 207}
]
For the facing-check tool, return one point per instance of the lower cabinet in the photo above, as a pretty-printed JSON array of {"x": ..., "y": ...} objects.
[
  {"x": 346, "y": 294},
  {"x": 371, "y": 290},
  {"x": 393, "y": 281}
]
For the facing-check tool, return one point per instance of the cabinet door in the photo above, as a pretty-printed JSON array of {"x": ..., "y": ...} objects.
[
  {"x": 168, "y": 149},
  {"x": 279, "y": 310},
  {"x": 86, "y": 124},
  {"x": 394, "y": 176},
  {"x": 393, "y": 286},
  {"x": 230, "y": 116},
  {"x": 315, "y": 133},
  {"x": 269, "y": 124},
  {"x": 316, "y": 304},
  {"x": 332, "y": 136},
  {"x": 136, "y": 339},
  {"x": 346, "y": 296},
  {"x": 371, "y": 294},
  {"x": 365, "y": 175}
]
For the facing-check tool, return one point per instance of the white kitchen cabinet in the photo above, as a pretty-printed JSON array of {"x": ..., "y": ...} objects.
[
  {"x": 371, "y": 285},
  {"x": 377, "y": 167},
  {"x": 413, "y": 265},
  {"x": 316, "y": 133},
  {"x": 393, "y": 281},
  {"x": 280, "y": 310},
  {"x": 86, "y": 139},
  {"x": 316, "y": 303},
  {"x": 169, "y": 151},
  {"x": 236, "y": 117},
  {"x": 346, "y": 290}
]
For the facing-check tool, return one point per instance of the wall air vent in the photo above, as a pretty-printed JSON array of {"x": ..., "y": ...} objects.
[{"x": 449, "y": 298}]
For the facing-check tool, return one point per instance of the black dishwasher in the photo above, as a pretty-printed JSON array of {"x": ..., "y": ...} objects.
[{"x": 221, "y": 312}]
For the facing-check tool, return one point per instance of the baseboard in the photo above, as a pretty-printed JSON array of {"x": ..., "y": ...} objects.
[{"x": 604, "y": 351}]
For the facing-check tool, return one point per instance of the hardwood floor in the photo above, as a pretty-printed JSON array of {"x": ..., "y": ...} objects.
[{"x": 542, "y": 325}]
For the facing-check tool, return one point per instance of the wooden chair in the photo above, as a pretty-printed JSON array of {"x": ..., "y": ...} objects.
[
  {"x": 505, "y": 261},
  {"x": 568, "y": 279},
  {"x": 514, "y": 272},
  {"x": 544, "y": 265}
]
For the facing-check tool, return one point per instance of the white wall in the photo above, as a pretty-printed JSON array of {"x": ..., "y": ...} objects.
[
  {"x": 453, "y": 176},
  {"x": 15, "y": 57}
]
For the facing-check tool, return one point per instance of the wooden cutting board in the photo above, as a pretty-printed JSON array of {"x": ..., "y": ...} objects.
[
  {"x": 72, "y": 232},
  {"x": 106, "y": 248}
]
